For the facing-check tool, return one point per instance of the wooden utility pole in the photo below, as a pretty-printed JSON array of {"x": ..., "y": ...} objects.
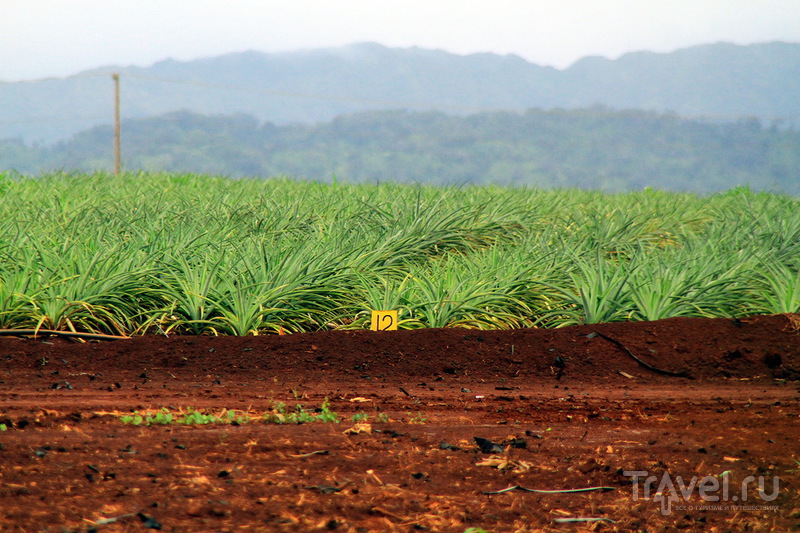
[{"x": 117, "y": 147}]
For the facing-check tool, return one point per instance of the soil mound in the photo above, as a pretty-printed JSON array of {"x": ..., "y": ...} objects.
[{"x": 759, "y": 347}]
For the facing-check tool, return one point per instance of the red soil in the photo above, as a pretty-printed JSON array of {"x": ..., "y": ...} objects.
[{"x": 569, "y": 408}]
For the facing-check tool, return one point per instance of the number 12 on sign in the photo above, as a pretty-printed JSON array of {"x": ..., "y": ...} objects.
[{"x": 384, "y": 320}]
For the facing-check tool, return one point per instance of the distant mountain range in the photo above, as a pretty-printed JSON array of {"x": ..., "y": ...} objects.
[{"x": 715, "y": 81}]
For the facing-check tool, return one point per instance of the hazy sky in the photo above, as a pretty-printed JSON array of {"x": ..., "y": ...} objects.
[{"x": 41, "y": 38}]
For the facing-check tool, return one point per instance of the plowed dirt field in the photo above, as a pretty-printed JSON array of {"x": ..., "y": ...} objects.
[{"x": 430, "y": 423}]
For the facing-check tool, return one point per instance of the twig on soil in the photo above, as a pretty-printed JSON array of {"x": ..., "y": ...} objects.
[
  {"x": 147, "y": 521},
  {"x": 325, "y": 489},
  {"x": 51, "y": 332},
  {"x": 578, "y": 519},
  {"x": 309, "y": 454},
  {"x": 375, "y": 477},
  {"x": 505, "y": 463},
  {"x": 381, "y": 510},
  {"x": 681, "y": 374},
  {"x": 107, "y": 521},
  {"x": 548, "y": 491}
]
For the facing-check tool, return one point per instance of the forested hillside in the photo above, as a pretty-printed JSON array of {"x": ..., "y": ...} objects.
[{"x": 593, "y": 148}]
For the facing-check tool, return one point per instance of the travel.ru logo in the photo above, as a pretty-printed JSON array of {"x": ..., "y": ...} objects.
[{"x": 716, "y": 492}]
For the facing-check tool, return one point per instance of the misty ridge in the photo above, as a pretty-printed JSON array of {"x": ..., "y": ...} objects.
[{"x": 702, "y": 119}]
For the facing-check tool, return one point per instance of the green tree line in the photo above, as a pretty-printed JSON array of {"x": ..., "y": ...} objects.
[{"x": 594, "y": 148}]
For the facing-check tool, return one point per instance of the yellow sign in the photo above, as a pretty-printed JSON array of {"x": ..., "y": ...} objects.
[{"x": 384, "y": 320}]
